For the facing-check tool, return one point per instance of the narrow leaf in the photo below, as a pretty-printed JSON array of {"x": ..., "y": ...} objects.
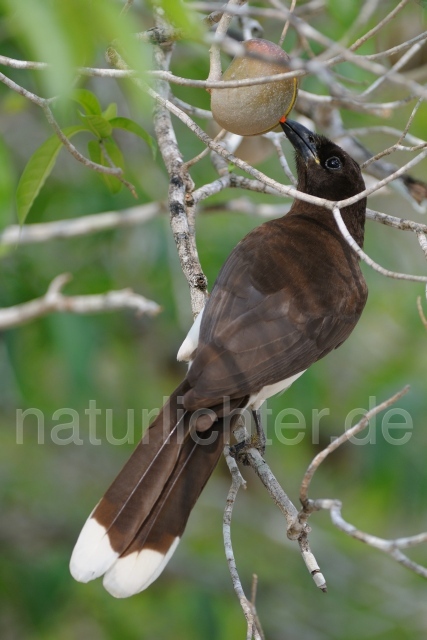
[
  {"x": 94, "y": 149},
  {"x": 97, "y": 153},
  {"x": 88, "y": 101},
  {"x": 134, "y": 127},
  {"x": 99, "y": 126},
  {"x": 115, "y": 155},
  {"x": 37, "y": 170},
  {"x": 111, "y": 111}
]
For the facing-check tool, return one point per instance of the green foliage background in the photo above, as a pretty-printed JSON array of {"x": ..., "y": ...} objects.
[{"x": 124, "y": 362}]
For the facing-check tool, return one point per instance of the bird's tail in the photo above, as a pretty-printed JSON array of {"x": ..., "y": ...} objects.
[{"x": 135, "y": 528}]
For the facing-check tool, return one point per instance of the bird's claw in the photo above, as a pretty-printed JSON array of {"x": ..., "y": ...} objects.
[{"x": 240, "y": 450}]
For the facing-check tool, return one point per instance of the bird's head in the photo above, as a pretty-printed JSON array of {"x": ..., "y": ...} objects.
[{"x": 324, "y": 169}]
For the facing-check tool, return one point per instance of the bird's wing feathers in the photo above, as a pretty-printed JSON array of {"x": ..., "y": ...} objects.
[{"x": 258, "y": 329}]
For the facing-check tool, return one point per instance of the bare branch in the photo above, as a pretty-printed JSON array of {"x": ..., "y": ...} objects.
[
  {"x": 276, "y": 139},
  {"x": 23, "y": 64},
  {"x": 344, "y": 437},
  {"x": 180, "y": 198},
  {"x": 398, "y": 48},
  {"x": 390, "y": 547},
  {"x": 55, "y": 301},
  {"x": 422, "y": 239},
  {"x": 190, "y": 109},
  {"x": 364, "y": 256},
  {"x": 296, "y": 528},
  {"x": 398, "y": 145},
  {"x": 127, "y": 6},
  {"x": 189, "y": 163},
  {"x": 215, "y": 71},
  {"x": 388, "y": 18},
  {"x": 396, "y": 223},
  {"x": 95, "y": 223},
  {"x": 421, "y": 312},
  {"x": 398, "y": 65},
  {"x": 286, "y": 27},
  {"x": 248, "y": 607}
]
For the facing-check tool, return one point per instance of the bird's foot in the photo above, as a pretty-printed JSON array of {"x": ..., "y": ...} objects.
[
  {"x": 262, "y": 440},
  {"x": 240, "y": 450}
]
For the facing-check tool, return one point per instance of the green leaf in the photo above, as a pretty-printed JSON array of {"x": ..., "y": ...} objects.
[
  {"x": 99, "y": 126},
  {"x": 116, "y": 156},
  {"x": 110, "y": 112},
  {"x": 98, "y": 152},
  {"x": 94, "y": 149},
  {"x": 134, "y": 127},
  {"x": 38, "y": 169},
  {"x": 88, "y": 101}
]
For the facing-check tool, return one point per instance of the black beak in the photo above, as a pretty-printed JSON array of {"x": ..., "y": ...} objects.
[{"x": 303, "y": 140}]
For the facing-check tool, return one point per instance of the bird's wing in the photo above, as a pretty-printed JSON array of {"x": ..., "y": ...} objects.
[{"x": 266, "y": 320}]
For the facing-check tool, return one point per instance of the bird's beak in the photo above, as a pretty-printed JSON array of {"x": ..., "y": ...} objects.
[{"x": 303, "y": 140}]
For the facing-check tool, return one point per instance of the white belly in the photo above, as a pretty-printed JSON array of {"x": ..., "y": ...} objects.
[{"x": 257, "y": 399}]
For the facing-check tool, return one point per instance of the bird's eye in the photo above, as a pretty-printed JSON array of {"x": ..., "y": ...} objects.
[{"x": 333, "y": 163}]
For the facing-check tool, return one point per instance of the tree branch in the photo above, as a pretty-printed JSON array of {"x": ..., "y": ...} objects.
[
  {"x": 364, "y": 256},
  {"x": 55, "y": 301},
  {"x": 296, "y": 529},
  {"x": 344, "y": 437},
  {"x": 391, "y": 547},
  {"x": 180, "y": 198},
  {"x": 74, "y": 227},
  {"x": 248, "y": 608}
]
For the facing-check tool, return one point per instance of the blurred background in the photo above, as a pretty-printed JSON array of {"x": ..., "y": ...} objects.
[{"x": 124, "y": 362}]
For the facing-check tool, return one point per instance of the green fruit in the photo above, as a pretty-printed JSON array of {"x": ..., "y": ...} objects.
[{"x": 252, "y": 110}]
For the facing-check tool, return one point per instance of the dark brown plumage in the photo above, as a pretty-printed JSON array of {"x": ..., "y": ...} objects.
[{"x": 290, "y": 292}]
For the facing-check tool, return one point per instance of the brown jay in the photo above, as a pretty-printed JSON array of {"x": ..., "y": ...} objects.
[{"x": 290, "y": 292}]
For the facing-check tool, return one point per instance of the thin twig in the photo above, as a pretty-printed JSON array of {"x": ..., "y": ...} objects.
[
  {"x": 189, "y": 163},
  {"x": 55, "y": 301},
  {"x": 364, "y": 256},
  {"x": 44, "y": 105},
  {"x": 215, "y": 70},
  {"x": 422, "y": 239},
  {"x": 390, "y": 547},
  {"x": 344, "y": 437},
  {"x": 237, "y": 481},
  {"x": 398, "y": 65},
  {"x": 286, "y": 27},
  {"x": 396, "y": 223},
  {"x": 127, "y": 6},
  {"x": 95, "y": 223},
  {"x": 421, "y": 312},
  {"x": 277, "y": 139},
  {"x": 295, "y": 529},
  {"x": 402, "y": 136}
]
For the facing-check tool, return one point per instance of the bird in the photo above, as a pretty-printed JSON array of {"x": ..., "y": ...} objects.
[{"x": 289, "y": 293}]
